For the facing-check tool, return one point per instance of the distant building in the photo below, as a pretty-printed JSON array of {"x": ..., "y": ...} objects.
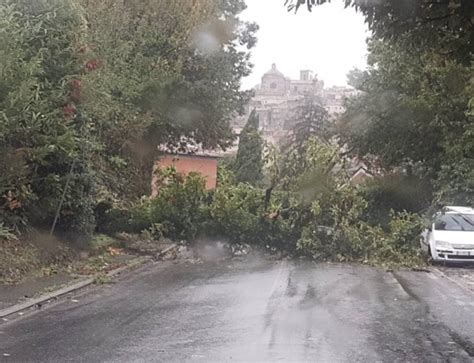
[
  {"x": 204, "y": 164},
  {"x": 334, "y": 98},
  {"x": 274, "y": 83},
  {"x": 277, "y": 97}
]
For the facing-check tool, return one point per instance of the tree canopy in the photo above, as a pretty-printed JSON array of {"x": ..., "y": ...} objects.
[
  {"x": 415, "y": 110},
  {"x": 90, "y": 89}
]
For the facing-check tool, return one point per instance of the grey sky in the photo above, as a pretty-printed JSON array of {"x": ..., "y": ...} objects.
[{"x": 330, "y": 40}]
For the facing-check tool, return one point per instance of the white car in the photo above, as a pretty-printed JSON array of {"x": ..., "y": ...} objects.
[{"x": 450, "y": 235}]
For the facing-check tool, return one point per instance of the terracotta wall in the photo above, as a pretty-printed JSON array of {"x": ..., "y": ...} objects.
[{"x": 206, "y": 166}]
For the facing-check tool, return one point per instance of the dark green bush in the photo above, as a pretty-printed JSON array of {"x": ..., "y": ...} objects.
[
  {"x": 236, "y": 213},
  {"x": 394, "y": 192},
  {"x": 327, "y": 226},
  {"x": 111, "y": 220},
  {"x": 180, "y": 205}
]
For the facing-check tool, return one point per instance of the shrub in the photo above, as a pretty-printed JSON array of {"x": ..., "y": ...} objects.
[
  {"x": 178, "y": 211},
  {"x": 326, "y": 223},
  {"x": 236, "y": 213},
  {"x": 114, "y": 219},
  {"x": 179, "y": 207},
  {"x": 402, "y": 243},
  {"x": 398, "y": 245},
  {"x": 332, "y": 232}
]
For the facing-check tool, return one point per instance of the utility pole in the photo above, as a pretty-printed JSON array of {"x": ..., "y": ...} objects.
[{"x": 58, "y": 211}]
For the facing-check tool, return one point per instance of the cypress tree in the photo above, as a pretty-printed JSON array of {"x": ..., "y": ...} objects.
[{"x": 249, "y": 164}]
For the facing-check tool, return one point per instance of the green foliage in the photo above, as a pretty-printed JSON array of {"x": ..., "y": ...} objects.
[
  {"x": 416, "y": 108},
  {"x": 310, "y": 126},
  {"x": 111, "y": 219},
  {"x": 6, "y": 234},
  {"x": 456, "y": 182},
  {"x": 89, "y": 89},
  {"x": 361, "y": 242},
  {"x": 178, "y": 211},
  {"x": 236, "y": 213},
  {"x": 311, "y": 120},
  {"x": 413, "y": 106},
  {"x": 249, "y": 161},
  {"x": 169, "y": 72},
  {"x": 40, "y": 122},
  {"x": 309, "y": 167},
  {"x": 333, "y": 228},
  {"x": 414, "y": 115},
  {"x": 322, "y": 215},
  {"x": 179, "y": 205},
  {"x": 394, "y": 192}
]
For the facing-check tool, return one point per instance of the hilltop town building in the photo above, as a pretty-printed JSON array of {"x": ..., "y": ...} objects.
[{"x": 277, "y": 97}]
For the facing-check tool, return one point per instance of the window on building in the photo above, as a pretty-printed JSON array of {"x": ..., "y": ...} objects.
[{"x": 273, "y": 85}]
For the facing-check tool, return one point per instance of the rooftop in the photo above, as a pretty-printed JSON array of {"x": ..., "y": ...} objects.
[
  {"x": 274, "y": 71},
  {"x": 457, "y": 209}
]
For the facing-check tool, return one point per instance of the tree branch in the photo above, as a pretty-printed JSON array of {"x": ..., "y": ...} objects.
[{"x": 438, "y": 17}]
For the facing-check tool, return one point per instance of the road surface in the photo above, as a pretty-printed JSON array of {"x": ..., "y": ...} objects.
[{"x": 252, "y": 310}]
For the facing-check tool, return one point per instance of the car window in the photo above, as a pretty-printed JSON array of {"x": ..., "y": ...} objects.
[{"x": 455, "y": 222}]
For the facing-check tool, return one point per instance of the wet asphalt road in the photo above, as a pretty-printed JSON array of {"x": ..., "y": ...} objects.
[{"x": 253, "y": 310}]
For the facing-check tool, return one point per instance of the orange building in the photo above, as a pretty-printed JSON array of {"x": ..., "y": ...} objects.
[{"x": 204, "y": 164}]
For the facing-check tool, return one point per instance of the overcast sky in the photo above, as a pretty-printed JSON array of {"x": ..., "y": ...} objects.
[{"x": 330, "y": 40}]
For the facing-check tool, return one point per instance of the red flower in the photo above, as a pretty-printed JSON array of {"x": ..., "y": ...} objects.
[
  {"x": 92, "y": 65},
  {"x": 69, "y": 110}
]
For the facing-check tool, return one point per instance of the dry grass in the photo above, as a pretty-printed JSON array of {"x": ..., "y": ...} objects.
[{"x": 31, "y": 253}]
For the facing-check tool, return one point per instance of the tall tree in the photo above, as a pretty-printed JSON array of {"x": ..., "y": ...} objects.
[
  {"x": 88, "y": 89},
  {"x": 249, "y": 162},
  {"x": 310, "y": 122},
  {"x": 169, "y": 73},
  {"x": 413, "y": 113}
]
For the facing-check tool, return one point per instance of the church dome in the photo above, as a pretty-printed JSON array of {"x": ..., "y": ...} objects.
[{"x": 274, "y": 71}]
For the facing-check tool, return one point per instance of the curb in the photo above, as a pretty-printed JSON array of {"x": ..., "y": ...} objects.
[
  {"x": 30, "y": 303},
  {"x": 77, "y": 286}
]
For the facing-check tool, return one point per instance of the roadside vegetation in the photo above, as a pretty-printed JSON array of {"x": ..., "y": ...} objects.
[
  {"x": 90, "y": 89},
  {"x": 320, "y": 214}
]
